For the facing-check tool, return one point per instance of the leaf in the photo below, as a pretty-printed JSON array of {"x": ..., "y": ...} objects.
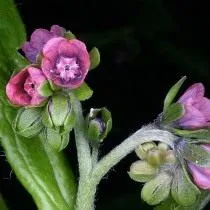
[
  {"x": 2, "y": 204},
  {"x": 94, "y": 58},
  {"x": 172, "y": 93},
  {"x": 83, "y": 92},
  {"x": 173, "y": 113}
]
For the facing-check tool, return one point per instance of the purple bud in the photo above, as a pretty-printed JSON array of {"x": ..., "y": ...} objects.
[
  {"x": 196, "y": 107},
  {"x": 38, "y": 39}
]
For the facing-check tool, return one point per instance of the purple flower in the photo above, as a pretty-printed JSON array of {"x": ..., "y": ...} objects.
[
  {"x": 201, "y": 175},
  {"x": 23, "y": 88},
  {"x": 38, "y": 39},
  {"x": 196, "y": 107},
  {"x": 65, "y": 62}
]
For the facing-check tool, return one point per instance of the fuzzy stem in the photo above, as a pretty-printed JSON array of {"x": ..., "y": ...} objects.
[
  {"x": 94, "y": 156},
  {"x": 145, "y": 134}
]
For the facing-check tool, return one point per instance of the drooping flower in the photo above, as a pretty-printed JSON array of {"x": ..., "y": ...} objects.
[
  {"x": 201, "y": 175},
  {"x": 65, "y": 62},
  {"x": 196, "y": 108},
  {"x": 38, "y": 39},
  {"x": 23, "y": 89}
]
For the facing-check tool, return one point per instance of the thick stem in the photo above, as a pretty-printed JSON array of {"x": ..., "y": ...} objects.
[{"x": 94, "y": 156}]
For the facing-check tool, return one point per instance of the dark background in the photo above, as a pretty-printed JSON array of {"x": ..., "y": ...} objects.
[{"x": 146, "y": 46}]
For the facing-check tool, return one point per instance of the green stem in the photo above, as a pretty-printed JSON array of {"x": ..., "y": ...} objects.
[
  {"x": 86, "y": 197},
  {"x": 94, "y": 156},
  {"x": 2, "y": 204}
]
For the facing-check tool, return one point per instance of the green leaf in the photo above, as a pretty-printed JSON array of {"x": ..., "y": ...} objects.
[
  {"x": 172, "y": 93},
  {"x": 94, "y": 58},
  {"x": 2, "y": 204},
  {"x": 69, "y": 35},
  {"x": 83, "y": 92},
  {"x": 173, "y": 113}
]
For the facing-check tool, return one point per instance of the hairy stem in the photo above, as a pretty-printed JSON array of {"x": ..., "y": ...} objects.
[
  {"x": 94, "y": 156},
  {"x": 145, "y": 134}
]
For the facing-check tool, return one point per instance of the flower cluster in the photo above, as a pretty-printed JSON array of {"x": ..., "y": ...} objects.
[
  {"x": 63, "y": 63},
  {"x": 43, "y": 90},
  {"x": 182, "y": 171}
]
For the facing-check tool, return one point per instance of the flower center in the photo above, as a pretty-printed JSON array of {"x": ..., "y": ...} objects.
[
  {"x": 67, "y": 69},
  {"x": 30, "y": 86}
]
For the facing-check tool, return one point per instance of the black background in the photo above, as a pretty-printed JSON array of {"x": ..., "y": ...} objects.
[{"x": 145, "y": 46}]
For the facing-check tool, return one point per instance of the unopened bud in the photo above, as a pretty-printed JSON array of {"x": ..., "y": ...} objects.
[{"x": 143, "y": 149}]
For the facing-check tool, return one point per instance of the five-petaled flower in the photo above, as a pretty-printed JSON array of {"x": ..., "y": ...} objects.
[
  {"x": 65, "y": 62},
  {"x": 23, "y": 88},
  {"x": 196, "y": 108}
]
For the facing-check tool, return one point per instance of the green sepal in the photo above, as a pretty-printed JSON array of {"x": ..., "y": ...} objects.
[
  {"x": 59, "y": 114},
  {"x": 157, "y": 189},
  {"x": 57, "y": 141},
  {"x": 69, "y": 35},
  {"x": 83, "y": 92},
  {"x": 45, "y": 89},
  {"x": 194, "y": 153},
  {"x": 201, "y": 135},
  {"x": 181, "y": 189},
  {"x": 173, "y": 113},
  {"x": 107, "y": 117},
  {"x": 28, "y": 122},
  {"x": 94, "y": 131},
  {"x": 94, "y": 58},
  {"x": 172, "y": 93},
  {"x": 142, "y": 171}
]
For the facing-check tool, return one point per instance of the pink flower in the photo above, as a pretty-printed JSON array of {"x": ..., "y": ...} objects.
[
  {"x": 196, "y": 106},
  {"x": 65, "y": 62},
  {"x": 23, "y": 88},
  {"x": 201, "y": 175},
  {"x": 38, "y": 39}
]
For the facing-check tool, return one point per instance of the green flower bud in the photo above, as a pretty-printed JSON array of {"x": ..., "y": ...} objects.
[
  {"x": 182, "y": 190},
  {"x": 59, "y": 114},
  {"x": 28, "y": 122},
  {"x": 157, "y": 189},
  {"x": 155, "y": 157},
  {"x": 163, "y": 146},
  {"x": 55, "y": 140},
  {"x": 142, "y": 150},
  {"x": 142, "y": 171},
  {"x": 99, "y": 124}
]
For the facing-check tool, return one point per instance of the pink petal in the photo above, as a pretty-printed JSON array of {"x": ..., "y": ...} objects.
[
  {"x": 57, "y": 30},
  {"x": 201, "y": 176},
  {"x": 196, "y": 91},
  {"x": 203, "y": 105}
]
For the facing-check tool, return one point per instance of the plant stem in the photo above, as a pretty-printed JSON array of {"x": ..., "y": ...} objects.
[
  {"x": 86, "y": 197},
  {"x": 94, "y": 156}
]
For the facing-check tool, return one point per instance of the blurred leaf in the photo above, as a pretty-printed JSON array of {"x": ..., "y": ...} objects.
[
  {"x": 2, "y": 204},
  {"x": 94, "y": 58},
  {"x": 83, "y": 92}
]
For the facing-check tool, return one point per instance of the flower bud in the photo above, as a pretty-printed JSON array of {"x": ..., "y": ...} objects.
[
  {"x": 169, "y": 157},
  {"x": 142, "y": 171},
  {"x": 59, "y": 114},
  {"x": 28, "y": 122},
  {"x": 157, "y": 189},
  {"x": 99, "y": 123},
  {"x": 155, "y": 157},
  {"x": 163, "y": 146},
  {"x": 57, "y": 141},
  {"x": 142, "y": 149}
]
